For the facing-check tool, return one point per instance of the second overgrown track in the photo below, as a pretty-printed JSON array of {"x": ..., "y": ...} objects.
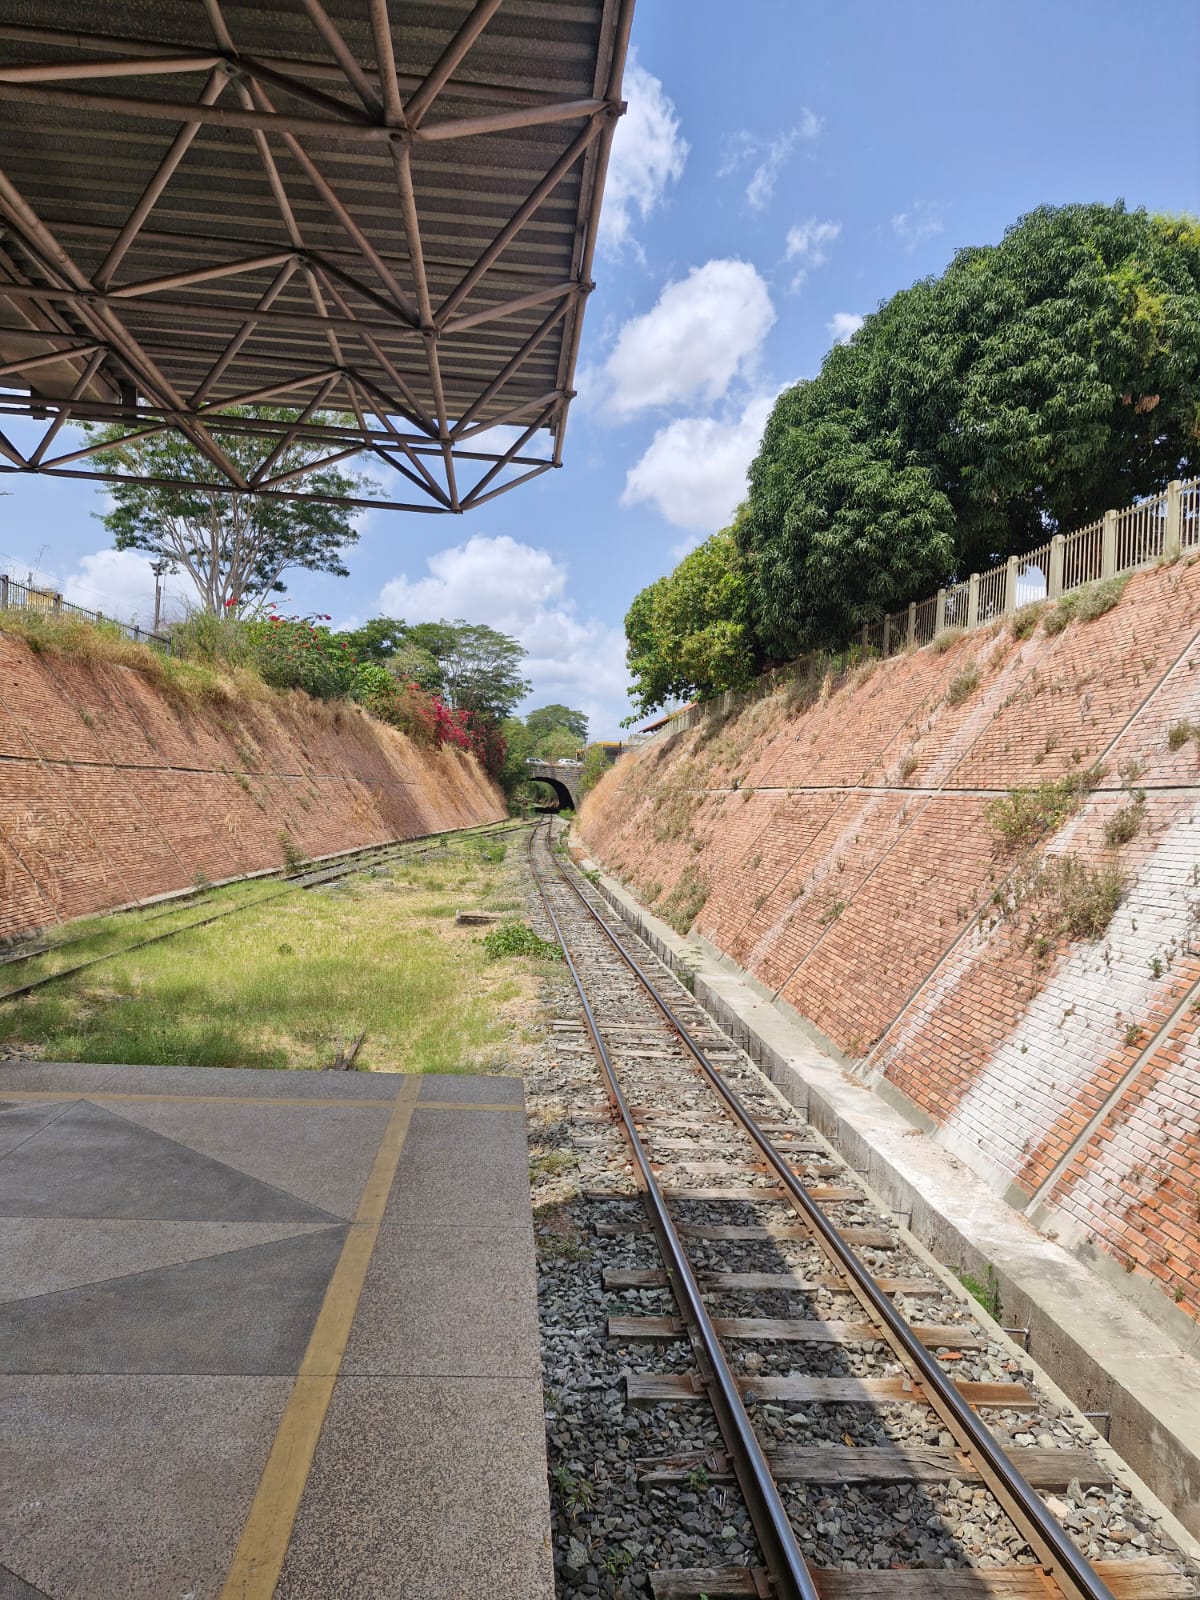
[
  {"x": 364, "y": 860},
  {"x": 669, "y": 1078}
]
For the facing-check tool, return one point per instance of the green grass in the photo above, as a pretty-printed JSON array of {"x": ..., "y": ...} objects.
[{"x": 283, "y": 985}]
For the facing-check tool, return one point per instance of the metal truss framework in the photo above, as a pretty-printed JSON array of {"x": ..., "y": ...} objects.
[{"x": 370, "y": 217}]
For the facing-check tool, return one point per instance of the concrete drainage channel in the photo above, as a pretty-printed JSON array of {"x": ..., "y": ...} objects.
[{"x": 1110, "y": 1362}]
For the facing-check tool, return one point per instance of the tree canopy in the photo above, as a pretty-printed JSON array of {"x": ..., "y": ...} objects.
[
  {"x": 688, "y": 634},
  {"x": 1031, "y": 386},
  {"x": 474, "y": 667},
  {"x": 480, "y": 668},
  {"x": 547, "y": 722},
  {"x": 235, "y": 547}
]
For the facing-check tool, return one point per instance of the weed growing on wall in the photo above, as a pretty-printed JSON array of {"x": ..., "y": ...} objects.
[
  {"x": 946, "y": 640},
  {"x": 685, "y": 902},
  {"x": 1086, "y": 604},
  {"x": 985, "y": 1290},
  {"x": 1022, "y": 817},
  {"x": 293, "y": 861},
  {"x": 1126, "y": 821},
  {"x": 1181, "y": 731},
  {"x": 1026, "y": 619},
  {"x": 907, "y": 766},
  {"x": 962, "y": 685},
  {"x": 1067, "y": 899}
]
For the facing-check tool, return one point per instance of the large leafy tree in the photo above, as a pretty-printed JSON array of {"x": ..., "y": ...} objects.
[
  {"x": 688, "y": 634},
  {"x": 556, "y": 722},
  {"x": 480, "y": 668},
  {"x": 235, "y": 547},
  {"x": 1028, "y": 388}
]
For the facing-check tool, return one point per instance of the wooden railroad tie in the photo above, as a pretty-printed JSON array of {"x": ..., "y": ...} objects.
[
  {"x": 1146, "y": 1578},
  {"x": 867, "y": 1238},
  {"x": 938, "y": 1336},
  {"x": 836, "y": 1465},
  {"x": 785, "y": 1282},
  {"x": 656, "y": 1389}
]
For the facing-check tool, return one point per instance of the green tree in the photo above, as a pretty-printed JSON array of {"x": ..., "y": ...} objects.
[
  {"x": 234, "y": 547},
  {"x": 545, "y": 721},
  {"x": 1032, "y": 385},
  {"x": 688, "y": 635},
  {"x": 479, "y": 667},
  {"x": 377, "y": 640}
]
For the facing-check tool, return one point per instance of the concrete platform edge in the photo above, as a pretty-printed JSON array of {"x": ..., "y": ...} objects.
[{"x": 1133, "y": 1370}]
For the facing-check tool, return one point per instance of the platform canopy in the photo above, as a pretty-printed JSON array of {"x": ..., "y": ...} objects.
[{"x": 367, "y": 224}]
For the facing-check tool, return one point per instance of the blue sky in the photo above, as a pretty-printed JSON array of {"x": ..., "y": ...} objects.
[{"x": 782, "y": 169}]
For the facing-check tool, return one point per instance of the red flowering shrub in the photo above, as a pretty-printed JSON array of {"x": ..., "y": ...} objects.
[
  {"x": 301, "y": 653},
  {"x": 426, "y": 717}
]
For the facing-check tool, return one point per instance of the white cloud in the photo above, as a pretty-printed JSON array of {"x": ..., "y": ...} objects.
[
  {"x": 703, "y": 333},
  {"x": 521, "y": 589},
  {"x": 762, "y": 181},
  {"x": 921, "y": 221},
  {"x": 843, "y": 325},
  {"x": 647, "y": 154},
  {"x": 807, "y": 243},
  {"x": 118, "y": 583},
  {"x": 694, "y": 471},
  {"x": 767, "y": 156}
]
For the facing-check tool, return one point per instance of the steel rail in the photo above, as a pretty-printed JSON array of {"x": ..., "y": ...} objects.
[
  {"x": 207, "y": 894},
  {"x": 1053, "y": 1546},
  {"x": 310, "y": 881},
  {"x": 785, "y": 1561}
]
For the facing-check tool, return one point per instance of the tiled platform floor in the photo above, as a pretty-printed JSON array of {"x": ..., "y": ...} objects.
[{"x": 267, "y": 1333}]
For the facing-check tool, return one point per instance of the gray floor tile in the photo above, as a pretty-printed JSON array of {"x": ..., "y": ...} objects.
[
  {"x": 19, "y": 1119},
  {"x": 441, "y": 1088},
  {"x": 14, "y": 1588},
  {"x": 247, "y": 1311},
  {"x": 458, "y": 1506},
  {"x": 471, "y": 1169},
  {"x": 55, "y": 1075},
  {"x": 136, "y": 1079},
  {"x": 91, "y": 1162},
  {"x": 321, "y": 1154},
  {"x": 448, "y": 1301},
  {"x": 134, "y": 1488},
  {"x": 43, "y": 1255}
]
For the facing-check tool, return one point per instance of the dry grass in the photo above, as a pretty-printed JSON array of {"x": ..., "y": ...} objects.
[
  {"x": 103, "y": 644},
  {"x": 963, "y": 685}
]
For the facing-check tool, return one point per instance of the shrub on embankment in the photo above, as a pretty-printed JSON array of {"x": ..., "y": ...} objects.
[
  {"x": 987, "y": 899},
  {"x": 224, "y": 660}
]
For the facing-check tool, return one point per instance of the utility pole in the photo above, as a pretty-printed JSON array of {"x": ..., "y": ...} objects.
[{"x": 158, "y": 568}]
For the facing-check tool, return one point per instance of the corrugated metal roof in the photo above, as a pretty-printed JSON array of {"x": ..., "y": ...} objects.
[{"x": 334, "y": 214}]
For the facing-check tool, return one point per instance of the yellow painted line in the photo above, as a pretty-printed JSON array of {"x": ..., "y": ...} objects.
[
  {"x": 258, "y": 1559},
  {"x": 193, "y": 1099},
  {"x": 466, "y": 1105}
]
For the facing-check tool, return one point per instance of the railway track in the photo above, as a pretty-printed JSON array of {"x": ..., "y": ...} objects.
[
  {"x": 771, "y": 1253},
  {"x": 363, "y": 860}
]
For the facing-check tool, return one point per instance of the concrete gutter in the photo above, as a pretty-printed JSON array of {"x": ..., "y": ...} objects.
[{"x": 1109, "y": 1359}]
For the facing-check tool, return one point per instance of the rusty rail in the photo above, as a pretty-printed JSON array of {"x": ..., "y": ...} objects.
[{"x": 1060, "y": 1559}]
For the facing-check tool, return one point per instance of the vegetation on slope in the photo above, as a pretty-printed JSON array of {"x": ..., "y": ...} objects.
[{"x": 1030, "y": 387}]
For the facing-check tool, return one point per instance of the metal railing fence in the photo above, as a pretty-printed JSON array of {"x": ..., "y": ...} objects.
[
  {"x": 28, "y": 597},
  {"x": 1158, "y": 528}
]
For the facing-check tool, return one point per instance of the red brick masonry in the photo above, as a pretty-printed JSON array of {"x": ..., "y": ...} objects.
[
  {"x": 842, "y": 855},
  {"x": 111, "y": 792}
]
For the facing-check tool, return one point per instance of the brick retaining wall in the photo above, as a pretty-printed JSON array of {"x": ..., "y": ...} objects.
[
  {"x": 864, "y": 900},
  {"x": 111, "y": 792}
]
